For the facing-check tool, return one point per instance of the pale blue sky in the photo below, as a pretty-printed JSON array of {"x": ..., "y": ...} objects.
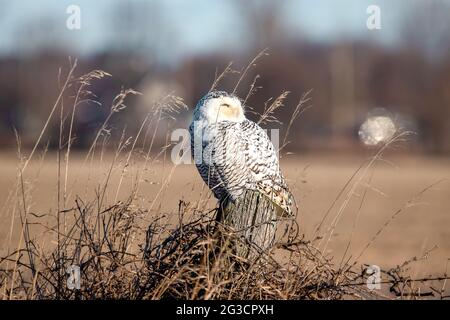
[{"x": 206, "y": 25}]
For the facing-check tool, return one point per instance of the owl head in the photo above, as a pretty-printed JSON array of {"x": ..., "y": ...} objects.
[{"x": 217, "y": 106}]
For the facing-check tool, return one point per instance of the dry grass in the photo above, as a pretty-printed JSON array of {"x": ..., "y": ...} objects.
[{"x": 125, "y": 253}]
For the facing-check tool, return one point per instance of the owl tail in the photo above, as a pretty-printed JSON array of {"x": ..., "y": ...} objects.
[{"x": 281, "y": 197}]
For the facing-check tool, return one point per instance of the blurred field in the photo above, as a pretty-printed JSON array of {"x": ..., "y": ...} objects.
[{"x": 315, "y": 179}]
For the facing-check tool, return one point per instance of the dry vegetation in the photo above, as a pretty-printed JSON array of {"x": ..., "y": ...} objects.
[{"x": 125, "y": 252}]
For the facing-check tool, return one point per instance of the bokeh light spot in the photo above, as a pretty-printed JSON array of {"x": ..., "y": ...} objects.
[{"x": 377, "y": 129}]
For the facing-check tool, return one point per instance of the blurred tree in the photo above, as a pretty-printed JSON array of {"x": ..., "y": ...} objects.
[
  {"x": 263, "y": 21},
  {"x": 141, "y": 28},
  {"x": 343, "y": 107},
  {"x": 426, "y": 28}
]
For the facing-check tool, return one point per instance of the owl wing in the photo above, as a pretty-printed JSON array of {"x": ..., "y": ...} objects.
[
  {"x": 208, "y": 172},
  {"x": 224, "y": 156},
  {"x": 243, "y": 157},
  {"x": 263, "y": 163}
]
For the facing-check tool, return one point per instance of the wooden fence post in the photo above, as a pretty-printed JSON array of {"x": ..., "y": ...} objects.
[{"x": 253, "y": 218}]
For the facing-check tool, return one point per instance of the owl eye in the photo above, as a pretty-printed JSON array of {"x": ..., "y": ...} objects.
[{"x": 225, "y": 105}]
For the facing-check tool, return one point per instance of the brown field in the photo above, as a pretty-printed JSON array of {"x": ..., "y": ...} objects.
[{"x": 423, "y": 224}]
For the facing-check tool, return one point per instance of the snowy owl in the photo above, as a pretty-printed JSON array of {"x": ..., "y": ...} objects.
[{"x": 234, "y": 154}]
